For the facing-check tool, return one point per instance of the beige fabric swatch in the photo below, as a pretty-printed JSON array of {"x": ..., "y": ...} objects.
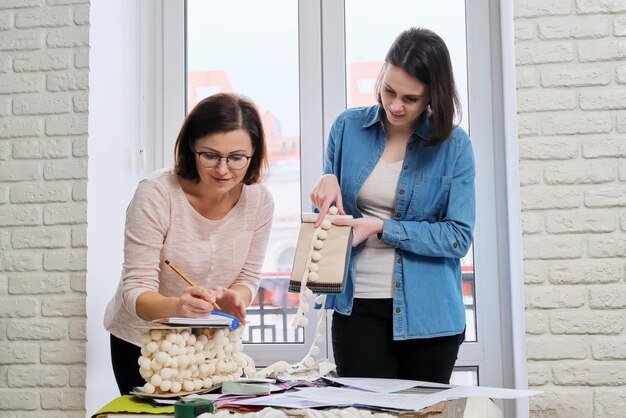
[{"x": 334, "y": 262}]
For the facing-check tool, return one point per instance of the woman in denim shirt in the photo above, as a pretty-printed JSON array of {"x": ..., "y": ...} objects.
[{"x": 405, "y": 172}]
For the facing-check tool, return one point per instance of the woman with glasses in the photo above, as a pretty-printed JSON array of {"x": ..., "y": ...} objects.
[
  {"x": 405, "y": 171},
  {"x": 208, "y": 215}
]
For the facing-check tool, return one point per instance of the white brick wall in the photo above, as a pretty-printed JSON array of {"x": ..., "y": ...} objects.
[
  {"x": 44, "y": 58},
  {"x": 571, "y": 73}
]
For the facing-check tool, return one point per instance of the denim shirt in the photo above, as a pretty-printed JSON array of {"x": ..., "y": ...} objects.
[{"x": 431, "y": 229}]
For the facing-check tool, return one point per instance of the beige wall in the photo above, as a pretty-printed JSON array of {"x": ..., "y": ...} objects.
[
  {"x": 571, "y": 72},
  {"x": 571, "y": 78}
]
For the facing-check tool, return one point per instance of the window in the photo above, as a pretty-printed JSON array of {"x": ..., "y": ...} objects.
[{"x": 303, "y": 63}]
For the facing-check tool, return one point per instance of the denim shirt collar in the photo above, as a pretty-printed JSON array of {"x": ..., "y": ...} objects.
[{"x": 376, "y": 117}]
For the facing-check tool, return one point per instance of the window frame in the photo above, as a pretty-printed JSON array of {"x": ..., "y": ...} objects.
[
  {"x": 485, "y": 353},
  {"x": 499, "y": 352}
]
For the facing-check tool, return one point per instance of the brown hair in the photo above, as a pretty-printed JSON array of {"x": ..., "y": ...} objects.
[
  {"x": 220, "y": 113},
  {"x": 424, "y": 55}
]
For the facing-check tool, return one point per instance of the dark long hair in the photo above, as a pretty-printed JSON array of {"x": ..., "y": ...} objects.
[
  {"x": 422, "y": 54},
  {"x": 220, "y": 113}
]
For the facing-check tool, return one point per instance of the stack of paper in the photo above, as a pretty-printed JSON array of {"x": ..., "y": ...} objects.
[{"x": 382, "y": 394}]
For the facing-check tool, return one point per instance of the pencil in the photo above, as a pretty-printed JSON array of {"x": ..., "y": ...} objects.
[
  {"x": 180, "y": 273},
  {"x": 187, "y": 279}
]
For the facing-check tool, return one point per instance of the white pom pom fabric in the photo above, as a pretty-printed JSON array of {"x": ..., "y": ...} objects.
[{"x": 191, "y": 359}]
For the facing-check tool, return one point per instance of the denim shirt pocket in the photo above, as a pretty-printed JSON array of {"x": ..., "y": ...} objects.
[{"x": 429, "y": 197}]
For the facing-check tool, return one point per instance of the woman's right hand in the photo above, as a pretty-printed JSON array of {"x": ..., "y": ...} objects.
[
  {"x": 324, "y": 195},
  {"x": 195, "y": 302}
]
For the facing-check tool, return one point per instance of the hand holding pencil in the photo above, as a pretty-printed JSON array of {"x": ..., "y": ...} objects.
[{"x": 188, "y": 280}]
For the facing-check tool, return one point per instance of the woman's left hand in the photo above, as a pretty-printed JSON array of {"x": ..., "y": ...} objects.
[
  {"x": 362, "y": 228},
  {"x": 231, "y": 303}
]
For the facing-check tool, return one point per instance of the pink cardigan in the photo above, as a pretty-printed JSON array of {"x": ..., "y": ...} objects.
[{"x": 162, "y": 225}]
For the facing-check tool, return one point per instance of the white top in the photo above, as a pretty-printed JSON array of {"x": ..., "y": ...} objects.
[
  {"x": 374, "y": 265},
  {"x": 162, "y": 225}
]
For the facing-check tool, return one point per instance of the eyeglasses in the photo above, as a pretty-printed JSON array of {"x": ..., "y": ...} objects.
[{"x": 212, "y": 160}]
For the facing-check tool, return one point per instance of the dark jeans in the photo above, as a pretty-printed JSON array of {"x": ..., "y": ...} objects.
[
  {"x": 363, "y": 346},
  {"x": 124, "y": 356}
]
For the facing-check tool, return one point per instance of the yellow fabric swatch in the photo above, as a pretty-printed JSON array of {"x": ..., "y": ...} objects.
[{"x": 128, "y": 404}]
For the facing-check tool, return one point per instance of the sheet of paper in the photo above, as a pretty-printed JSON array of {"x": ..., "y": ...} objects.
[
  {"x": 165, "y": 401},
  {"x": 383, "y": 385},
  {"x": 206, "y": 396},
  {"x": 393, "y": 385},
  {"x": 284, "y": 400},
  {"x": 487, "y": 392},
  {"x": 409, "y": 402}
]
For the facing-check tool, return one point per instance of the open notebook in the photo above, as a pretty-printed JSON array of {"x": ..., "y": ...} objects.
[
  {"x": 332, "y": 267},
  {"x": 215, "y": 320}
]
